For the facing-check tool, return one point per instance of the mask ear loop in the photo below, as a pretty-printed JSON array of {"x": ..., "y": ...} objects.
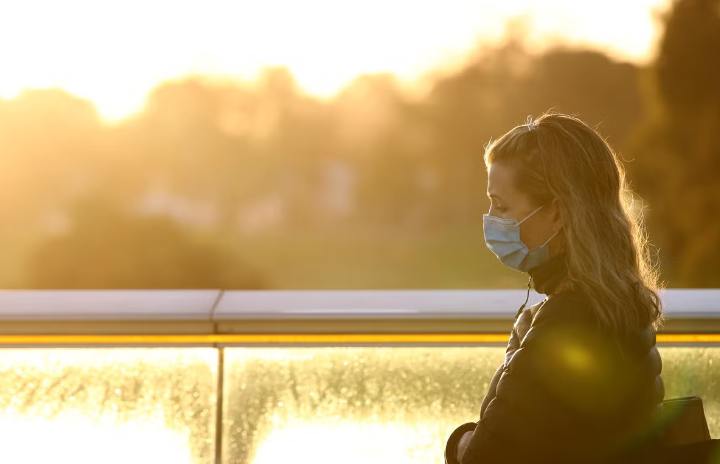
[
  {"x": 528, "y": 216},
  {"x": 527, "y": 297},
  {"x": 551, "y": 237}
]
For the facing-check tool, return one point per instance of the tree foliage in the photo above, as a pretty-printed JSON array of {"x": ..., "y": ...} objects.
[
  {"x": 677, "y": 148},
  {"x": 236, "y": 162}
]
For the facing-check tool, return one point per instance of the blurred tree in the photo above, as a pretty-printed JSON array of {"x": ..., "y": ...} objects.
[
  {"x": 688, "y": 69},
  {"x": 603, "y": 92},
  {"x": 181, "y": 149},
  {"x": 499, "y": 88},
  {"x": 373, "y": 122},
  {"x": 258, "y": 158},
  {"x": 110, "y": 250},
  {"x": 677, "y": 147},
  {"x": 466, "y": 108},
  {"x": 48, "y": 140}
]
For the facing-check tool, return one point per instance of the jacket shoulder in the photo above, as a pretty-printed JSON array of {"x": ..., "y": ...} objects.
[
  {"x": 567, "y": 306},
  {"x": 569, "y": 312}
]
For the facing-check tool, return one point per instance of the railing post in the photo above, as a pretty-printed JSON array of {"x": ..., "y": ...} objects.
[{"x": 219, "y": 405}]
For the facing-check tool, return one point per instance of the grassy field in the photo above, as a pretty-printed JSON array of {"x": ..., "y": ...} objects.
[
  {"x": 441, "y": 259},
  {"x": 451, "y": 258}
]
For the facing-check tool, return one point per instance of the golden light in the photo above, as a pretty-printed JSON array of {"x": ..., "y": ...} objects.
[
  {"x": 318, "y": 443},
  {"x": 87, "y": 441},
  {"x": 77, "y": 403},
  {"x": 577, "y": 358},
  {"x": 280, "y": 339},
  {"x": 113, "y": 51}
]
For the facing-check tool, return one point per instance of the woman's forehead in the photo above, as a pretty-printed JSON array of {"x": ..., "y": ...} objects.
[{"x": 501, "y": 181}]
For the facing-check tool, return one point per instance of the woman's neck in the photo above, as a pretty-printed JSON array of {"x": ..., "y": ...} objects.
[{"x": 548, "y": 278}]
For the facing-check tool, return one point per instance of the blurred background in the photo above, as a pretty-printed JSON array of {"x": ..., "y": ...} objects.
[
  {"x": 331, "y": 145},
  {"x": 315, "y": 144}
]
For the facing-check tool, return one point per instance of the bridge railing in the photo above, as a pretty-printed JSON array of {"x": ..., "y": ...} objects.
[
  {"x": 225, "y": 318},
  {"x": 255, "y": 377}
]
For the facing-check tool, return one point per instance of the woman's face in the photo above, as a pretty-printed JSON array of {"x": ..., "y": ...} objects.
[{"x": 509, "y": 202}]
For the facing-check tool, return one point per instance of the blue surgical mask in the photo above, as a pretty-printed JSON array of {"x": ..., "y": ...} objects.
[{"x": 502, "y": 236}]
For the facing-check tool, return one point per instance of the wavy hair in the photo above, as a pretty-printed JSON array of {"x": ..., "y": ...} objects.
[{"x": 608, "y": 254}]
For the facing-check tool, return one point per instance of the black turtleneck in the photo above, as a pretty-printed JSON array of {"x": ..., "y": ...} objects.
[{"x": 548, "y": 275}]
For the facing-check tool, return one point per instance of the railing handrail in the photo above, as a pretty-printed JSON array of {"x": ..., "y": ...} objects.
[
  {"x": 231, "y": 318},
  {"x": 222, "y": 305}
]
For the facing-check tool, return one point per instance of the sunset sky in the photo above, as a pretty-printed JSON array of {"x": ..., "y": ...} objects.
[{"x": 114, "y": 51}]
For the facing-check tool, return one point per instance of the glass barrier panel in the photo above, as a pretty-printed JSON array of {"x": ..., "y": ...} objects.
[
  {"x": 116, "y": 406},
  {"x": 306, "y": 405},
  {"x": 694, "y": 371},
  {"x": 353, "y": 405},
  {"x": 385, "y": 405}
]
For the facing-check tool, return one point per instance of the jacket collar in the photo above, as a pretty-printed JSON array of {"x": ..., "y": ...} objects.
[{"x": 550, "y": 274}]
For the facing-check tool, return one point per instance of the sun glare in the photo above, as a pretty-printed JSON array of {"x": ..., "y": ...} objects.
[
  {"x": 114, "y": 51},
  {"x": 348, "y": 442},
  {"x": 82, "y": 441}
]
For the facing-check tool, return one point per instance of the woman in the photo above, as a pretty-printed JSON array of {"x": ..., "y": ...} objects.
[{"x": 581, "y": 379}]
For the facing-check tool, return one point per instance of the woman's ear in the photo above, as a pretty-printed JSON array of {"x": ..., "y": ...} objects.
[{"x": 556, "y": 215}]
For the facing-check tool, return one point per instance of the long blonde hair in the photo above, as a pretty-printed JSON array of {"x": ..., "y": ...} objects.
[{"x": 608, "y": 254}]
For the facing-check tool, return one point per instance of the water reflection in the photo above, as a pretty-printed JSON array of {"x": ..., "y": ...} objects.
[{"x": 146, "y": 405}]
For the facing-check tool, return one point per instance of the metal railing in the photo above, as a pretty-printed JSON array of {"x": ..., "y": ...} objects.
[{"x": 219, "y": 319}]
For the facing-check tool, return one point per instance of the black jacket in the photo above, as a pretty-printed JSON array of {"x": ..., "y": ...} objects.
[{"x": 569, "y": 391}]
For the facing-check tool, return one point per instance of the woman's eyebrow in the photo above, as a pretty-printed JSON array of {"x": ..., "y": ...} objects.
[{"x": 492, "y": 195}]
